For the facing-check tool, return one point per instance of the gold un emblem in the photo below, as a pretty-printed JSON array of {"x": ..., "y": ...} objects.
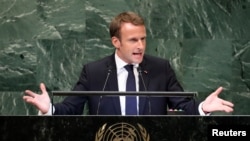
[{"x": 122, "y": 132}]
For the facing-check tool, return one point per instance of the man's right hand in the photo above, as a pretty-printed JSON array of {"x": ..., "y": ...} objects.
[{"x": 40, "y": 101}]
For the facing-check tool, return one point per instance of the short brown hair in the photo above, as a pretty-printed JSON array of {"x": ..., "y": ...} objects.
[{"x": 124, "y": 17}]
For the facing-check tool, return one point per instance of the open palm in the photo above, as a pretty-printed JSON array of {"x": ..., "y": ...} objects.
[
  {"x": 213, "y": 103},
  {"x": 40, "y": 101}
]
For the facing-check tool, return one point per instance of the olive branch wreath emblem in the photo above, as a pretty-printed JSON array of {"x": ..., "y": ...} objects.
[{"x": 143, "y": 132}]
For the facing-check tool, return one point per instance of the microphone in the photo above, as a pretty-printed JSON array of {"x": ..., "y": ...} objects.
[
  {"x": 145, "y": 88},
  {"x": 140, "y": 73},
  {"x": 107, "y": 78},
  {"x": 103, "y": 89}
]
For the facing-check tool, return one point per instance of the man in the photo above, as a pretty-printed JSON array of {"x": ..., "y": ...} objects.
[{"x": 128, "y": 35}]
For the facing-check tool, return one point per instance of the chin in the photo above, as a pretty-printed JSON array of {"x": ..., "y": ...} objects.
[{"x": 137, "y": 61}]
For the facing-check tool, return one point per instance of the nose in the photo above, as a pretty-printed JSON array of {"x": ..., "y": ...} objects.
[{"x": 141, "y": 43}]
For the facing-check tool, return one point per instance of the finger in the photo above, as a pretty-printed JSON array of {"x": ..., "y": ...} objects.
[
  {"x": 227, "y": 103},
  {"x": 218, "y": 91},
  {"x": 29, "y": 99},
  {"x": 43, "y": 88},
  {"x": 228, "y": 109},
  {"x": 30, "y": 93},
  {"x": 224, "y": 108}
]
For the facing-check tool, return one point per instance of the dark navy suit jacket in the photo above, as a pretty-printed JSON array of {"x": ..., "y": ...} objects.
[{"x": 157, "y": 74}]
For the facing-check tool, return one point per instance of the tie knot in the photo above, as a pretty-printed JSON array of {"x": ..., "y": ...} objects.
[{"x": 129, "y": 67}]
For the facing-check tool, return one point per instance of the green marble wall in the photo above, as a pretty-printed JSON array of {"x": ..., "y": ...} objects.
[{"x": 207, "y": 42}]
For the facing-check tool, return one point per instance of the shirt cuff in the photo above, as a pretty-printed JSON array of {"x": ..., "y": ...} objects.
[
  {"x": 49, "y": 112},
  {"x": 202, "y": 113}
]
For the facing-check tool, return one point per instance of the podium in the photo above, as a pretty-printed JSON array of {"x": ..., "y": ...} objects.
[
  {"x": 112, "y": 128},
  {"x": 122, "y": 128}
]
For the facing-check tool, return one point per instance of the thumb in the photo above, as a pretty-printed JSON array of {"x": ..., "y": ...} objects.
[
  {"x": 43, "y": 88},
  {"x": 218, "y": 91}
]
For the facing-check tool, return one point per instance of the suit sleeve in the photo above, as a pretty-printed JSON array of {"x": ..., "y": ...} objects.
[
  {"x": 188, "y": 104},
  {"x": 74, "y": 105}
]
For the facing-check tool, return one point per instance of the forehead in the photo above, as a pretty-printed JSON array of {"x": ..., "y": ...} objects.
[{"x": 129, "y": 29}]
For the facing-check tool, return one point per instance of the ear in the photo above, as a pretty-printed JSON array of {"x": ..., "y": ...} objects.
[{"x": 116, "y": 42}]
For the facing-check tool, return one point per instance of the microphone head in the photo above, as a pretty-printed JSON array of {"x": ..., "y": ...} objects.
[
  {"x": 107, "y": 77},
  {"x": 139, "y": 69},
  {"x": 110, "y": 68}
]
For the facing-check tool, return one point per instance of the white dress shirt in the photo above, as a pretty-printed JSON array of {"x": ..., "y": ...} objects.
[{"x": 122, "y": 75}]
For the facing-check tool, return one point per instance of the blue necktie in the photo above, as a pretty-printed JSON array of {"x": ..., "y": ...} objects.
[{"x": 130, "y": 86}]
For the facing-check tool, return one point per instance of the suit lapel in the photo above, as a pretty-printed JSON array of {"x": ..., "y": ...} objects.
[
  {"x": 143, "y": 86},
  {"x": 112, "y": 84},
  {"x": 114, "y": 87}
]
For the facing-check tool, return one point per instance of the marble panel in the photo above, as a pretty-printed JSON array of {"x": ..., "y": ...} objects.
[{"x": 206, "y": 41}]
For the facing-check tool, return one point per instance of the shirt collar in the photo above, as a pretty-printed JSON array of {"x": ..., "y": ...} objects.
[{"x": 120, "y": 63}]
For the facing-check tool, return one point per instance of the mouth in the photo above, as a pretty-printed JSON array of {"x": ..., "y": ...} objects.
[
  {"x": 137, "y": 54},
  {"x": 137, "y": 57}
]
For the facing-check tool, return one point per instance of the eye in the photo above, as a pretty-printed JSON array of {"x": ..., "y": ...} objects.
[{"x": 133, "y": 40}]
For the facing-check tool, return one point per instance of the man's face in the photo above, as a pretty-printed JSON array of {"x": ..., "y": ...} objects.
[{"x": 132, "y": 43}]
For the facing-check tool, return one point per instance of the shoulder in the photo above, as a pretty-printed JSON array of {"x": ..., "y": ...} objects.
[
  {"x": 154, "y": 59},
  {"x": 103, "y": 63},
  {"x": 156, "y": 63}
]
